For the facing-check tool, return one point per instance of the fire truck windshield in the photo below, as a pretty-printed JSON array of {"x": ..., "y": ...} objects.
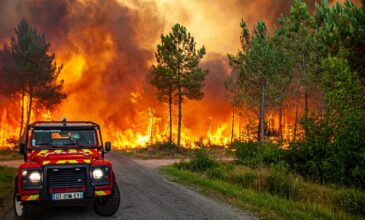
[{"x": 64, "y": 137}]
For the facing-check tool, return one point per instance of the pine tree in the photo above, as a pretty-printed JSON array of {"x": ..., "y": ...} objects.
[
  {"x": 35, "y": 71},
  {"x": 299, "y": 43},
  {"x": 260, "y": 63},
  {"x": 178, "y": 69},
  {"x": 162, "y": 79}
]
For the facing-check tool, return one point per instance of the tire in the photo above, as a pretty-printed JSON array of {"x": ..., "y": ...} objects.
[
  {"x": 108, "y": 205},
  {"x": 24, "y": 210}
]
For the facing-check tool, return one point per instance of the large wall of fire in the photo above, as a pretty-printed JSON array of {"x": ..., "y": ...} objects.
[{"x": 107, "y": 48}]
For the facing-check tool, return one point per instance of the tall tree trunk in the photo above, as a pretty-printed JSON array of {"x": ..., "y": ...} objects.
[
  {"x": 259, "y": 128},
  {"x": 239, "y": 126},
  {"x": 232, "y": 133},
  {"x": 262, "y": 116},
  {"x": 179, "y": 119},
  {"x": 179, "y": 102},
  {"x": 170, "y": 114},
  {"x": 29, "y": 112},
  {"x": 305, "y": 95},
  {"x": 306, "y": 109},
  {"x": 152, "y": 128},
  {"x": 20, "y": 139},
  {"x": 296, "y": 116},
  {"x": 281, "y": 122}
]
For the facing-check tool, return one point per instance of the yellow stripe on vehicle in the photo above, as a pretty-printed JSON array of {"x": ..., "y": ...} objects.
[
  {"x": 46, "y": 162},
  {"x": 33, "y": 197},
  {"x": 67, "y": 161},
  {"x": 72, "y": 151},
  {"x": 87, "y": 151},
  {"x": 42, "y": 152},
  {"x": 100, "y": 193},
  {"x": 58, "y": 151}
]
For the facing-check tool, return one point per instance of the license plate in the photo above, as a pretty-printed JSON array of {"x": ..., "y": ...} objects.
[{"x": 65, "y": 196}]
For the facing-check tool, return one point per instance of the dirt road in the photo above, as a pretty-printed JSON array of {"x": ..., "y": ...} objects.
[{"x": 145, "y": 194}]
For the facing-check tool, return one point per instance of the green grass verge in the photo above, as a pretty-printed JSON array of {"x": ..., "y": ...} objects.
[
  {"x": 263, "y": 204},
  {"x": 161, "y": 152},
  {"x": 144, "y": 155},
  {"x": 10, "y": 155},
  {"x": 7, "y": 175}
]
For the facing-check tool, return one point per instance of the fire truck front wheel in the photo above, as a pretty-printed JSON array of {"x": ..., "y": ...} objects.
[
  {"x": 25, "y": 210},
  {"x": 108, "y": 205}
]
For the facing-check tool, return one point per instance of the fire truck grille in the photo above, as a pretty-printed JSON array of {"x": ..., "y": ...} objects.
[{"x": 66, "y": 177}]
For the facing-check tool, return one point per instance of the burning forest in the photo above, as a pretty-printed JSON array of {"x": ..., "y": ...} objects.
[
  {"x": 104, "y": 51},
  {"x": 260, "y": 103}
]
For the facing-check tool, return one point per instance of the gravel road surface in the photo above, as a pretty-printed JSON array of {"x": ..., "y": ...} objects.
[{"x": 145, "y": 194}]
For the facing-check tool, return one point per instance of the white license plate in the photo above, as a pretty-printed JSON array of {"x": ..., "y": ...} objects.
[{"x": 65, "y": 196}]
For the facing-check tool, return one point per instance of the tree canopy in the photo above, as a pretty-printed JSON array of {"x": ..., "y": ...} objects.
[
  {"x": 32, "y": 71},
  {"x": 177, "y": 74},
  {"x": 313, "y": 61}
]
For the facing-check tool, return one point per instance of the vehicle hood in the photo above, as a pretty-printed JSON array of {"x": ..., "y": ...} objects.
[{"x": 63, "y": 156}]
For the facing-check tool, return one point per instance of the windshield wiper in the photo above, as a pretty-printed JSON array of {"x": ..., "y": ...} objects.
[
  {"x": 46, "y": 144},
  {"x": 75, "y": 144}
]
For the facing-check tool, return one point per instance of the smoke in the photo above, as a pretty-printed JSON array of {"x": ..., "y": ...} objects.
[{"x": 107, "y": 48}]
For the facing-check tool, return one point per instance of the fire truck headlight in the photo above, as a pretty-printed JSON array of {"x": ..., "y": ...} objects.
[
  {"x": 97, "y": 174},
  {"x": 24, "y": 172},
  {"x": 35, "y": 177}
]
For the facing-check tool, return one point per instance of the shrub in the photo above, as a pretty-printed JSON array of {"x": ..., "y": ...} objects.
[
  {"x": 281, "y": 181},
  {"x": 245, "y": 180},
  {"x": 333, "y": 144},
  {"x": 249, "y": 179},
  {"x": 272, "y": 154},
  {"x": 183, "y": 165},
  {"x": 248, "y": 154},
  {"x": 201, "y": 161},
  {"x": 254, "y": 154},
  {"x": 227, "y": 167},
  {"x": 352, "y": 201},
  {"x": 215, "y": 173},
  {"x": 166, "y": 148},
  {"x": 322, "y": 157}
]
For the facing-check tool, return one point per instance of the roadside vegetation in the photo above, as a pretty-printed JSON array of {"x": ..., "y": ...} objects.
[
  {"x": 157, "y": 151},
  {"x": 6, "y": 189},
  {"x": 166, "y": 150},
  {"x": 308, "y": 70},
  {"x": 268, "y": 188},
  {"x": 10, "y": 154},
  {"x": 309, "y": 66}
]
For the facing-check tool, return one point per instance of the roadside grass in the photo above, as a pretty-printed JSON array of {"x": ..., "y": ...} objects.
[
  {"x": 315, "y": 201},
  {"x": 145, "y": 154},
  {"x": 7, "y": 175},
  {"x": 10, "y": 154},
  {"x": 170, "y": 151}
]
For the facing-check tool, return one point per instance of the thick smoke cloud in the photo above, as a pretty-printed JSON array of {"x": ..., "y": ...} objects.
[
  {"x": 107, "y": 48},
  {"x": 105, "y": 33}
]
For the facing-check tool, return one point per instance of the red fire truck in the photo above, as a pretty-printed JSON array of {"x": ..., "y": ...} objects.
[{"x": 64, "y": 164}]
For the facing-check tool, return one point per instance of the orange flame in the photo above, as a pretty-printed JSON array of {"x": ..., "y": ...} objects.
[{"x": 107, "y": 49}]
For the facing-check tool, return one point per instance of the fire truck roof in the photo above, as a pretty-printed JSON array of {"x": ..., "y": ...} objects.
[{"x": 63, "y": 124}]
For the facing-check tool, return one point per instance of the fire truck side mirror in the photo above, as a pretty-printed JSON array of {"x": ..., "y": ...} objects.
[
  {"x": 108, "y": 146},
  {"x": 22, "y": 148}
]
